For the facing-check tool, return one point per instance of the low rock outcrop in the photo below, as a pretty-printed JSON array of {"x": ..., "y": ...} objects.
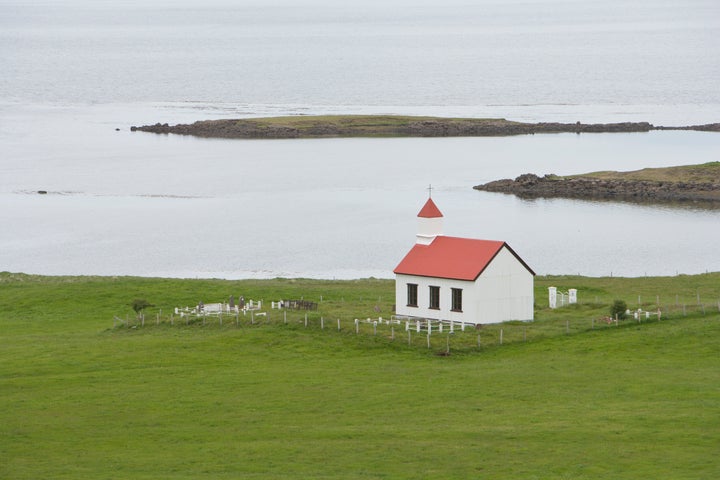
[{"x": 533, "y": 186}]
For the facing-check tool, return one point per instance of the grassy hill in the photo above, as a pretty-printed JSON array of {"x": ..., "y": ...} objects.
[
  {"x": 697, "y": 174},
  {"x": 563, "y": 397}
]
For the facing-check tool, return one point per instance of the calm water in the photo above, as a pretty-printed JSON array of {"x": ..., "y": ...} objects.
[
  {"x": 141, "y": 204},
  {"x": 431, "y": 52}
]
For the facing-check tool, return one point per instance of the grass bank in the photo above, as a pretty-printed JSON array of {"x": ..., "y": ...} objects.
[
  {"x": 321, "y": 126},
  {"x": 81, "y": 399},
  {"x": 698, "y": 174}
]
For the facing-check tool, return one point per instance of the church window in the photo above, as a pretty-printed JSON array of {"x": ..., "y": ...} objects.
[
  {"x": 457, "y": 300},
  {"x": 435, "y": 298},
  {"x": 412, "y": 294}
]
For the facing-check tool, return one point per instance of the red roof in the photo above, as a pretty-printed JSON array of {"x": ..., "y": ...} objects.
[
  {"x": 430, "y": 210},
  {"x": 452, "y": 257}
]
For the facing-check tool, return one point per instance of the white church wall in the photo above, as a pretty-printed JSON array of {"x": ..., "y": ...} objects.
[
  {"x": 423, "y": 309},
  {"x": 504, "y": 290}
]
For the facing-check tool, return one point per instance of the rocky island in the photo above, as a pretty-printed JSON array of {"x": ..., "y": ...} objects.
[
  {"x": 389, "y": 126},
  {"x": 694, "y": 183}
]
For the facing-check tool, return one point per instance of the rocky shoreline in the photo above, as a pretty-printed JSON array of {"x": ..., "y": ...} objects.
[
  {"x": 389, "y": 126},
  {"x": 641, "y": 191}
]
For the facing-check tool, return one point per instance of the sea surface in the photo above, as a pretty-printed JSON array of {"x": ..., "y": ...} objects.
[{"x": 77, "y": 74}]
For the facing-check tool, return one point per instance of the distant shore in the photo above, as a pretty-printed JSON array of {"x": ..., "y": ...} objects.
[
  {"x": 390, "y": 126},
  {"x": 685, "y": 184}
]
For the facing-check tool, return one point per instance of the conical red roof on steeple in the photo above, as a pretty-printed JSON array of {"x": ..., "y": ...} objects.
[{"x": 430, "y": 210}]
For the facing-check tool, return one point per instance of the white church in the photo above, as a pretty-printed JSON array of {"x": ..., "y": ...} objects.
[{"x": 461, "y": 279}]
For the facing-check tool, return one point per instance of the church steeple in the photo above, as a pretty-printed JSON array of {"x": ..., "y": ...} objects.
[{"x": 430, "y": 223}]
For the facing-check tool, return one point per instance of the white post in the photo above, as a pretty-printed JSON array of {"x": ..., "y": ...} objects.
[
  {"x": 501, "y": 336},
  {"x": 440, "y": 325},
  {"x": 338, "y": 324},
  {"x": 357, "y": 326},
  {"x": 418, "y": 326},
  {"x": 572, "y": 296},
  {"x": 322, "y": 323},
  {"x": 552, "y": 297},
  {"x": 452, "y": 326},
  {"x": 429, "y": 327}
]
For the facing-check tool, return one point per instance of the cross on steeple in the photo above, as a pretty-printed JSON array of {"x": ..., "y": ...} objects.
[{"x": 429, "y": 189}]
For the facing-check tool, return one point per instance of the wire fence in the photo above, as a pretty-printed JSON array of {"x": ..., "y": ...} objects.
[{"x": 441, "y": 337}]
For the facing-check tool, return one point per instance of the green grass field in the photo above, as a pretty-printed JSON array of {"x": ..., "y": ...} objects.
[{"x": 559, "y": 399}]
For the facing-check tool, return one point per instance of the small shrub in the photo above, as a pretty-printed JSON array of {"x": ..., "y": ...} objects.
[
  {"x": 619, "y": 307},
  {"x": 140, "y": 304}
]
